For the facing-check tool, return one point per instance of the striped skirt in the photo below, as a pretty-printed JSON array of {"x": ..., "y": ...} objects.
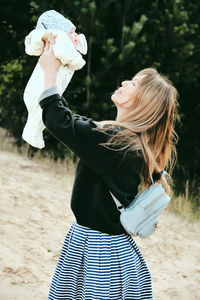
[{"x": 99, "y": 266}]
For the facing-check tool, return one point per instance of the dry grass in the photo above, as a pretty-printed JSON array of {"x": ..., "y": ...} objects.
[
  {"x": 7, "y": 144},
  {"x": 184, "y": 205}
]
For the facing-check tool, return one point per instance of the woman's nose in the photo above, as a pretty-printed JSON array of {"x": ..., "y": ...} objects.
[{"x": 125, "y": 83}]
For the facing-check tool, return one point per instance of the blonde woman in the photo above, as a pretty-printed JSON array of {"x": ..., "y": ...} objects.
[{"x": 99, "y": 260}]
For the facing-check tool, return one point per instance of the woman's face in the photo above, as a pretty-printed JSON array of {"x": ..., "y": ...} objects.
[
  {"x": 124, "y": 96},
  {"x": 73, "y": 36}
]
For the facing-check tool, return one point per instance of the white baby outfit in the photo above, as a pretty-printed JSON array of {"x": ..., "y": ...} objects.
[{"x": 49, "y": 22}]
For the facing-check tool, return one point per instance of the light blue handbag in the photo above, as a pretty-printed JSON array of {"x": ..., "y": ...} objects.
[{"x": 140, "y": 217}]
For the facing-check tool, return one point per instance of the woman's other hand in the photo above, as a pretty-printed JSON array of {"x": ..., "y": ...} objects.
[{"x": 49, "y": 63}]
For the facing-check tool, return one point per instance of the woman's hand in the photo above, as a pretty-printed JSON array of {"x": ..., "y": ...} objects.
[{"x": 49, "y": 63}]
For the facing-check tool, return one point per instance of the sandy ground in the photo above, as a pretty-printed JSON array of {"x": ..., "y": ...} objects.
[{"x": 35, "y": 217}]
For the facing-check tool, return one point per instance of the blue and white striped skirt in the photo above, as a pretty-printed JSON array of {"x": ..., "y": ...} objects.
[{"x": 98, "y": 266}]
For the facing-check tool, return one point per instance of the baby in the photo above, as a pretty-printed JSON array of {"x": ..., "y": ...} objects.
[{"x": 67, "y": 47}]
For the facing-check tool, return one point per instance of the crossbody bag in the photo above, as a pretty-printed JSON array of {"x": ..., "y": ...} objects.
[{"x": 140, "y": 216}]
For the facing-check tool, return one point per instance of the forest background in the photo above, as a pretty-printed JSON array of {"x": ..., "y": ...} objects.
[{"x": 123, "y": 38}]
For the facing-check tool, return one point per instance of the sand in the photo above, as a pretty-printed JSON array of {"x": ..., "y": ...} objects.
[{"x": 35, "y": 217}]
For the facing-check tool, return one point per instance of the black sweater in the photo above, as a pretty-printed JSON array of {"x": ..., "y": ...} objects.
[{"x": 99, "y": 169}]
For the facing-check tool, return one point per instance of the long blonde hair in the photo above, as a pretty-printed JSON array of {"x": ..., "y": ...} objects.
[{"x": 149, "y": 126}]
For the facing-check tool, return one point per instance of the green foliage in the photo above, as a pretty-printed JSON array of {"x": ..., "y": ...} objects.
[
  {"x": 138, "y": 26},
  {"x": 123, "y": 37},
  {"x": 12, "y": 113}
]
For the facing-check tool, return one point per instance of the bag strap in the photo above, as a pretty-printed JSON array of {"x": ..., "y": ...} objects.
[
  {"x": 120, "y": 207},
  {"x": 152, "y": 179}
]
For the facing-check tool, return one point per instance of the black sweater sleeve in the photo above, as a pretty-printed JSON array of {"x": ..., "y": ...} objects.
[{"x": 75, "y": 131}]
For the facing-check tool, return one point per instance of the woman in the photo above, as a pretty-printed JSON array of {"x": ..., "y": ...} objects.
[{"x": 99, "y": 260}]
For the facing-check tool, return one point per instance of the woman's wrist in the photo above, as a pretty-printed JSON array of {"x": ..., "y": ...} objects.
[{"x": 49, "y": 80}]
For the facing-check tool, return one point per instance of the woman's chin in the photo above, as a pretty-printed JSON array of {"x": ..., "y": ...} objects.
[{"x": 113, "y": 97}]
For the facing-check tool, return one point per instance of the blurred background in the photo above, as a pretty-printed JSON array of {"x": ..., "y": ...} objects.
[{"x": 123, "y": 37}]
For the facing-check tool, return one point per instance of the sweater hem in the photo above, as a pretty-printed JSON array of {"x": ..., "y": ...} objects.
[{"x": 102, "y": 231}]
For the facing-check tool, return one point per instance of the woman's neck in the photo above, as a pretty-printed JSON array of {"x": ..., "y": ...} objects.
[{"x": 120, "y": 112}]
